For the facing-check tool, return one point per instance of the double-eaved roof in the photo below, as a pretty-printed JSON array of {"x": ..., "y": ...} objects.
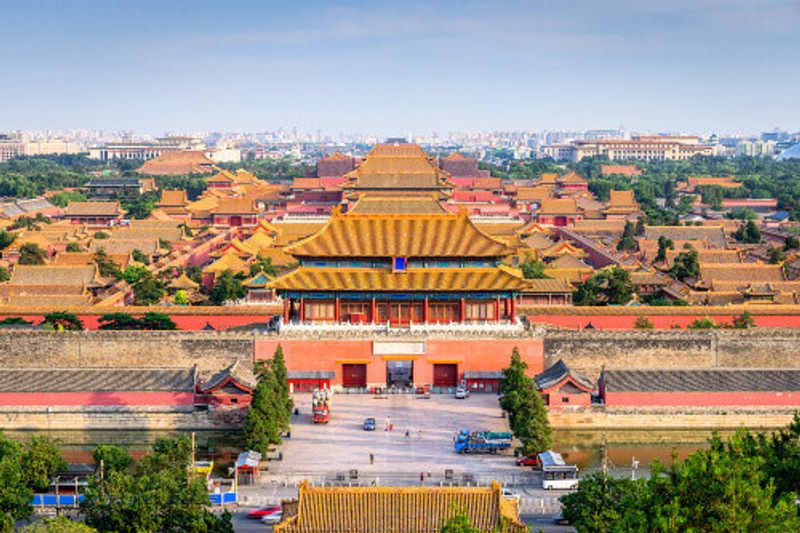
[
  {"x": 411, "y": 236},
  {"x": 384, "y": 280}
]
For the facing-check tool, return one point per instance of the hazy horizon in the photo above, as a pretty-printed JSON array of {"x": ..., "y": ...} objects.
[{"x": 388, "y": 69}]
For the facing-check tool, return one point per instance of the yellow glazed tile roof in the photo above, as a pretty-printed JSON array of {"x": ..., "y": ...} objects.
[
  {"x": 398, "y": 509},
  {"x": 501, "y": 278},
  {"x": 356, "y": 235}
]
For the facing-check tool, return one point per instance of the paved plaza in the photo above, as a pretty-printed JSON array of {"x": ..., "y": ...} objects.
[{"x": 342, "y": 444}]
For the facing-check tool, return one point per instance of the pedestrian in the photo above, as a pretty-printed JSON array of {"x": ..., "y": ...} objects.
[
  {"x": 408, "y": 434},
  {"x": 419, "y": 435},
  {"x": 371, "y": 459},
  {"x": 421, "y": 477}
]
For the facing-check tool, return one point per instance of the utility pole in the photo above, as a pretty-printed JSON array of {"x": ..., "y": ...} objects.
[{"x": 604, "y": 460}]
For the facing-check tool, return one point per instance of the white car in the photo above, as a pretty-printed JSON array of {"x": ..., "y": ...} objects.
[
  {"x": 508, "y": 493},
  {"x": 272, "y": 518},
  {"x": 462, "y": 393}
]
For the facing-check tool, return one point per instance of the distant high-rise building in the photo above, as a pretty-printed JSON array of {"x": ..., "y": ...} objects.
[{"x": 756, "y": 148}]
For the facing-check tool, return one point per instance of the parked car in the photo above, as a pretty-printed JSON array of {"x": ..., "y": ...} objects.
[
  {"x": 369, "y": 424},
  {"x": 508, "y": 493},
  {"x": 462, "y": 393},
  {"x": 273, "y": 518},
  {"x": 264, "y": 511},
  {"x": 560, "y": 520},
  {"x": 528, "y": 460}
]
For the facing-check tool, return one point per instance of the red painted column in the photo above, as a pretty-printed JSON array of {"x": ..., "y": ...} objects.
[
  {"x": 373, "y": 311},
  {"x": 287, "y": 304},
  {"x": 505, "y": 307},
  {"x": 336, "y": 313},
  {"x": 497, "y": 309},
  {"x": 302, "y": 309},
  {"x": 462, "y": 308},
  {"x": 513, "y": 302},
  {"x": 425, "y": 311}
]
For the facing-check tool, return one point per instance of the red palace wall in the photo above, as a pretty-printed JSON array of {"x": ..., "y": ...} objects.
[
  {"x": 624, "y": 322},
  {"x": 670, "y": 399},
  {"x": 97, "y": 398},
  {"x": 468, "y": 354}
]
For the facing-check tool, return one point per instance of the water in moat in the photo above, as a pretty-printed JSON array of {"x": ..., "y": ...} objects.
[{"x": 584, "y": 448}]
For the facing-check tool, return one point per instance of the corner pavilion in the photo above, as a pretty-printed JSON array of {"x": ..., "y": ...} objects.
[{"x": 400, "y": 269}]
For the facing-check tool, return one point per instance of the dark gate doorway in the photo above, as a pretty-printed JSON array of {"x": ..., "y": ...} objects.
[
  {"x": 354, "y": 376},
  {"x": 445, "y": 375},
  {"x": 399, "y": 373}
]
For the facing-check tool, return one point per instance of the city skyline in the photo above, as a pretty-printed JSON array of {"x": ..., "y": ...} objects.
[{"x": 387, "y": 70}]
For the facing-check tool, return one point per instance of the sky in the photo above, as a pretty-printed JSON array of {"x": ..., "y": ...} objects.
[{"x": 391, "y": 67}]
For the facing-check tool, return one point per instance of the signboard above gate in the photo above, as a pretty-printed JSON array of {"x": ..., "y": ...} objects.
[{"x": 398, "y": 348}]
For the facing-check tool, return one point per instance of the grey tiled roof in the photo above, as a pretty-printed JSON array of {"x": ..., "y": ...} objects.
[
  {"x": 238, "y": 371},
  {"x": 311, "y": 374},
  {"x": 482, "y": 374},
  {"x": 97, "y": 379},
  {"x": 557, "y": 373},
  {"x": 702, "y": 380}
]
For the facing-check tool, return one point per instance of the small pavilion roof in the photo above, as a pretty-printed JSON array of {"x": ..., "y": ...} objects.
[
  {"x": 183, "y": 282},
  {"x": 558, "y": 373}
]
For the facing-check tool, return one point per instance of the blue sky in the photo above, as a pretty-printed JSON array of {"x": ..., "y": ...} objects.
[{"x": 399, "y": 66}]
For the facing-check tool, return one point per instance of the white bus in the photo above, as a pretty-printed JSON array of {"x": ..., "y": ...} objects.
[{"x": 556, "y": 474}]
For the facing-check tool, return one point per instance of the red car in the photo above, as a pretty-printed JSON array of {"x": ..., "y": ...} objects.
[
  {"x": 258, "y": 514},
  {"x": 530, "y": 460}
]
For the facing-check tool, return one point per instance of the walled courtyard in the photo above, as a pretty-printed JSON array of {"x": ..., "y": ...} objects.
[{"x": 323, "y": 450}]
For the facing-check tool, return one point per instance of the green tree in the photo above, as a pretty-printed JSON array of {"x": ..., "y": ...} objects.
[
  {"x": 610, "y": 286},
  {"x": 15, "y": 492},
  {"x": 533, "y": 269},
  {"x": 281, "y": 383},
  {"x": 3, "y": 274},
  {"x": 776, "y": 256},
  {"x": 15, "y": 321},
  {"x": 156, "y": 321},
  {"x": 791, "y": 243},
  {"x": 227, "y": 286},
  {"x": 181, "y": 298},
  {"x": 73, "y": 247},
  {"x": 741, "y": 213},
  {"x": 458, "y": 523},
  {"x": 112, "y": 458},
  {"x": 643, "y": 322},
  {"x": 118, "y": 321},
  {"x": 607, "y": 504},
  {"x": 6, "y": 238},
  {"x": 640, "y": 227},
  {"x": 31, "y": 254},
  {"x": 703, "y": 323},
  {"x": 664, "y": 244},
  {"x": 744, "y": 321},
  {"x": 628, "y": 240},
  {"x": 527, "y": 413},
  {"x": 135, "y": 273},
  {"x": 261, "y": 427},
  {"x": 57, "y": 524},
  {"x": 41, "y": 459},
  {"x": 158, "y": 494},
  {"x": 748, "y": 233},
  {"x": 101, "y": 235},
  {"x": 148, "y": 290},
  {"x": 686, "y": 265},
  {"x": 140, "y": 257},
  {"x": 265, "y": 266},
  {"x": 105, "y": 266},
  {"x": 63, "y": 199},
  {"x": 61, "y": 321}
]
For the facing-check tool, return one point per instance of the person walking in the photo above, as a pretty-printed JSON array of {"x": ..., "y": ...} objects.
[{"x": 371, "y": 459}]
